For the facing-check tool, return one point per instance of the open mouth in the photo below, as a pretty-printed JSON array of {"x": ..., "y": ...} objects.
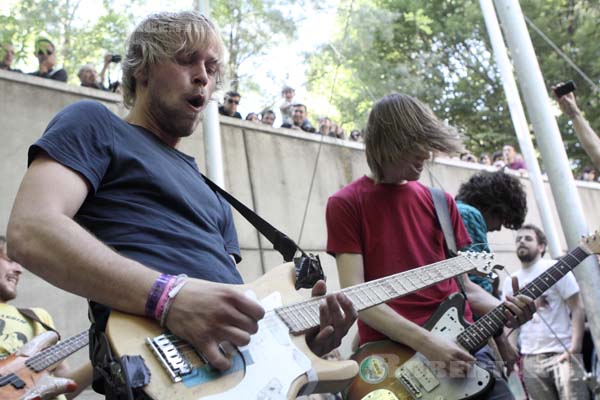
[{"x": 196, "y": 102}]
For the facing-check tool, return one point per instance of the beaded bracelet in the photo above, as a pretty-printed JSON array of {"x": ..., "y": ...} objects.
[
  {"x": 177, "y": 286},
  {"x": 155, "y": 293}
]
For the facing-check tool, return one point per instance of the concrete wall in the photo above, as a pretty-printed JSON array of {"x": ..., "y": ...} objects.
[{"x": 268, "y": 169}]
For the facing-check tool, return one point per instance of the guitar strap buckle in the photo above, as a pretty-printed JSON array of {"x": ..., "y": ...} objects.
[{"x": 308, "y": 270}]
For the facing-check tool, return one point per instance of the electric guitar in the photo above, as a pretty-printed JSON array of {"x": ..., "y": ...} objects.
[
  {"x": 277, "y": 364},
  {"x": 24, "y": 377},
  {"x": 391, "y": 371}
]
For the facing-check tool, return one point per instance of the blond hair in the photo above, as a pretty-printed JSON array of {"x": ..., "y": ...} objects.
[
  {"x": 399, "y": 125},
  {"x": 163, "y": 36}
]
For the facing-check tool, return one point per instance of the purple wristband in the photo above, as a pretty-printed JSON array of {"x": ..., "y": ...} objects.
[
  {"x": 155, "y": 293},
  {"x": 160, "y": 306}
]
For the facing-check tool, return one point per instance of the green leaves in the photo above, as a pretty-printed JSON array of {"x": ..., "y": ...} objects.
[
  {"x": 438, "y": 50},
  {"x": 78, "y": 41}
]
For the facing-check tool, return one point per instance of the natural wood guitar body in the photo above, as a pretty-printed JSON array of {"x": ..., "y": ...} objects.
[{"x": 127, "y": 335}]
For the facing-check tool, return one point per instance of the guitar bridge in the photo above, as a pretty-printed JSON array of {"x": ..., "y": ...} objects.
[{"x": 169, "y": 356}]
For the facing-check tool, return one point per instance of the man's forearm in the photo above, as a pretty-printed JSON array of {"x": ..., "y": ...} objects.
[
  {"x": 481, "y": 302},
  {"x": 385, "y": 320},
  {"x": 82, "y": 375},
  {"x": 60, "y": 251},
  {"x": 513, "y": 336},
  {"x": 588, "y": 138},
  {"x": 578, "y": 328}
]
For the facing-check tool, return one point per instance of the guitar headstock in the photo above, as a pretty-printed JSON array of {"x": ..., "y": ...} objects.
[
  {"x": 591, "y": 243},
  {"x": 481, "y": 262}
]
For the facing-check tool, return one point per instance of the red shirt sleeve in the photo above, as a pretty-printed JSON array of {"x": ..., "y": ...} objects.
[{"x": 343, "y": 227}]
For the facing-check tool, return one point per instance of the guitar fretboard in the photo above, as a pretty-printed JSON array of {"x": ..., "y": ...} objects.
[
  {"x": 59, "y": 351},
  {"x": 300, "y": 317},
  {"x": 475, "y": 336}
]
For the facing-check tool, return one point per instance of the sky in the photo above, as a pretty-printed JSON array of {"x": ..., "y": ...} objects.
[{"x": 284, "y": 63}]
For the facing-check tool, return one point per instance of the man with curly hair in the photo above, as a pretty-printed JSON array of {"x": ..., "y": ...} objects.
[
  {"x": 386, "y": 223},
  {"x": 486, "y": 202}
]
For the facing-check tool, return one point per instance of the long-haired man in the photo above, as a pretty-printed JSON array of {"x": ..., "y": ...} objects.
[{"x": 385, "y": 223}]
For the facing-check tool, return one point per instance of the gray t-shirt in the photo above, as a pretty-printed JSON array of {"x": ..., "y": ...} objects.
[{"x": 148, "y": 200}]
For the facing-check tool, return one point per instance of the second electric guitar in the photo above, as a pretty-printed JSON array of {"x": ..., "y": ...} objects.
[{"x": 391, "y": 371}]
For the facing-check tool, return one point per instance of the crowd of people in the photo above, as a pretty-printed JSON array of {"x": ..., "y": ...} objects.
[
  {"x": 505, "y": 158},
  {"x": 294, "y": 116},
  {"x": 89, "y": 197},
  {"x": 509, "y": 158},
  {"x": 45, "y": 52}
]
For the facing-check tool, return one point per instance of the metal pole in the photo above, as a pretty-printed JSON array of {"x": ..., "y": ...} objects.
[
  {"x": 211, "y": 129},
  {"x": 551, "y": 146},
  {"x": 521, "y": 127}
]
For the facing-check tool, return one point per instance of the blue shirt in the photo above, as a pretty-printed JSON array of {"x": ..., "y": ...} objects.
[
  {"x": 477, "y": 228},
  {"x": 147, "y": 200}
]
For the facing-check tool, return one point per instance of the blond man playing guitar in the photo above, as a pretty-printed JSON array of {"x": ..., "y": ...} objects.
[{"x": 110, "y": 210}]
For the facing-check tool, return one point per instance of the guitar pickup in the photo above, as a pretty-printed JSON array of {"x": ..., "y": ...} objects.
[
  {"x": 12, "y": 379},
  {"x": 169, "y": 356},
  {"x": 415, "y": 374}
]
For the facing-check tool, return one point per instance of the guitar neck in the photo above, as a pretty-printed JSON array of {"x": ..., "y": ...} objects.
[
  {"x": 475, "y": 336},
  {"x": 58, "y": 352},
  {"x": 300, "y": 317}
]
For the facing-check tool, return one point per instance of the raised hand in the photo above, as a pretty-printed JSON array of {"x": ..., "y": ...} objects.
[{"x": 567, "y": 103}]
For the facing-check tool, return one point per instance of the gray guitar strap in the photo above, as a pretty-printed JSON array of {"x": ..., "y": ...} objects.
[
  {"x": 443, "y": 216},
  {"x": 29, "y": 313}
]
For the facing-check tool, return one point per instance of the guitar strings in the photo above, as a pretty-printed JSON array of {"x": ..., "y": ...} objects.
[{"x": 425, "y": 276}]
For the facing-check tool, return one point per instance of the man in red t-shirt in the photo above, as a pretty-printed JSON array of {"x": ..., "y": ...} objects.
[{"x": 386, "y": 223}]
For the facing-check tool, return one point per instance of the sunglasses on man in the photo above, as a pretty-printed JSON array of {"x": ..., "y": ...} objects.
[
  {"x": 232, "y": 101},
  {"x": 44, "y": 53}
]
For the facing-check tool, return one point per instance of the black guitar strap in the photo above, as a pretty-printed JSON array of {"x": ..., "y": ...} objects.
[
  {"x": 308, "y": 266},
  {"x": 29, "y": 313},
  {"x": 443, "y": 216}
]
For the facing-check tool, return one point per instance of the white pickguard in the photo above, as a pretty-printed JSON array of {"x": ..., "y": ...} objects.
[
  {"x": 277, "y": 362},
  {"x": 434, "y": 383}
]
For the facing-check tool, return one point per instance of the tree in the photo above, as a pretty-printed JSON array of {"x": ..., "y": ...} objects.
[
  {"x": 78, "y": 40},
  {"x": 572, "y": 26},
  {"x": 252, "y": 27},
  {"x": 439, "y": 51}
]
